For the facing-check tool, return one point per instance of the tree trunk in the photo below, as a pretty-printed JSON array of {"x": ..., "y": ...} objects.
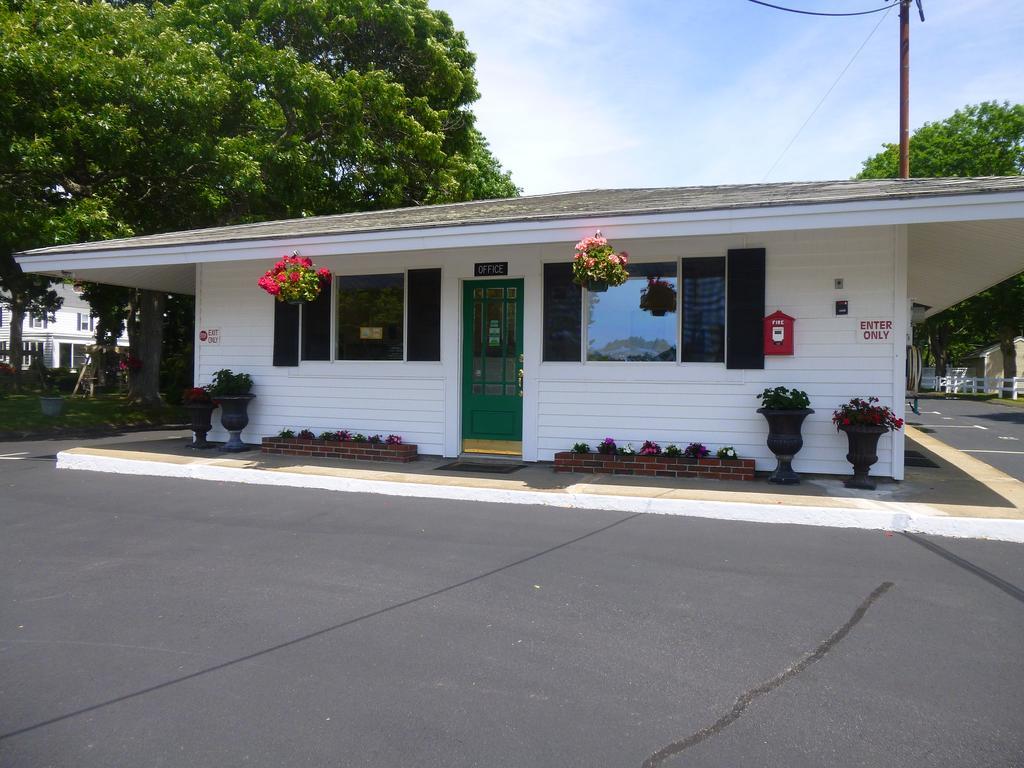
[
  {"x": 938, "y": 341},
  {"x": 17, "y": 323},
  {"x": 145, "y": 343},
  {"x": 1007, "y": 334}
]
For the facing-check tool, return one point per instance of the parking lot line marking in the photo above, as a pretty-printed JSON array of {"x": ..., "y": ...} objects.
[
  {"x": 983, "y": 450},
  {"x": 954, "y": 426},
  {"x": 13, "y": 456}
]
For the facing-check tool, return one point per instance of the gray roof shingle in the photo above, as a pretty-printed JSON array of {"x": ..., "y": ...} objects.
[{"x": 565, "y": 205}]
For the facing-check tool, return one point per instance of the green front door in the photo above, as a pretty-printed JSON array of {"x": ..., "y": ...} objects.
[{"x": 492, "y": 366}]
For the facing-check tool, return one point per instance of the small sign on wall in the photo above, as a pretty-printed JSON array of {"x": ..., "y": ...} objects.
[
  {"x": 371, "y": 332},
  {"x": 210, "y": 336},
  {"x": 490, "y": 269},
  {"x": 874, "y": 331}
]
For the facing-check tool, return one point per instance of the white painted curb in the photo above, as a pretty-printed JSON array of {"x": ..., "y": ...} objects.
[{"x": 832, "y": 517}]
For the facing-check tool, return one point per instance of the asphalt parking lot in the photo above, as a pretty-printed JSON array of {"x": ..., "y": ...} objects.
[
  {"x": 991, "y": 432},
  {"x": 159, "y": 622}
]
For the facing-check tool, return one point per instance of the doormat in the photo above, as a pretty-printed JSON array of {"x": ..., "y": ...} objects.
[
  {"x": 495, "y": 467},
  {"x": 918, "y": 459}
]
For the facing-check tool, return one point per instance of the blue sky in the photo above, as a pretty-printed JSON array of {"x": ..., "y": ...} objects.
[{"x": 580, "y": 94}]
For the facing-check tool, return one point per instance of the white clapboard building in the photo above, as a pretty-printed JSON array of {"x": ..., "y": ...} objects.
[
  {"x": 458, "y": 326},
  {"x": 60, "y": 342}
]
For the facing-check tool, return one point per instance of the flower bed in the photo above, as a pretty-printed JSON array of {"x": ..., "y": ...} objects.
[
  {"x": 358, "y": 450},
  {"x": 654, "y": 465}
]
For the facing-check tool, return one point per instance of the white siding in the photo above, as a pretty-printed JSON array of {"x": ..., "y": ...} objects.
[
  {"x": 707, "y": 403},
  {"x": 567, "y": 402}
]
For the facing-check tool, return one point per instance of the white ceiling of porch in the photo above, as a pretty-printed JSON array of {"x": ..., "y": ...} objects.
[{"x": 949, "y": 262}]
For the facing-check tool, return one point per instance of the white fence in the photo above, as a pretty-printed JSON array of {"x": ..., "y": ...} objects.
[{"x": 974, "y": 385}]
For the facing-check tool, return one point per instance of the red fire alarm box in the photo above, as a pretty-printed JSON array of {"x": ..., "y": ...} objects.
[{"x": 778, "y": 334}]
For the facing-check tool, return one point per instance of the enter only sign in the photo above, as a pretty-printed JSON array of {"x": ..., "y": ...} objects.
[{"x": 874, "y": 330}]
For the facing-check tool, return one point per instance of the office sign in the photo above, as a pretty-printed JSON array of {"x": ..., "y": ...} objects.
[{"x": 490, "y": 269}]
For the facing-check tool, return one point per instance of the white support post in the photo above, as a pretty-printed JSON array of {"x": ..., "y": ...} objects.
[{"x": 901, "y": 306}]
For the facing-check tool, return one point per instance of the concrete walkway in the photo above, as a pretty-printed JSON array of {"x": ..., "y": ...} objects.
[{"x": 962, "y": 497}]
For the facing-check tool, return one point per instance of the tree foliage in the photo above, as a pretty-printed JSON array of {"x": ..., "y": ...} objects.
[
  {"x": 984, "y": 139},
  {"x": 122, "y": 118}
]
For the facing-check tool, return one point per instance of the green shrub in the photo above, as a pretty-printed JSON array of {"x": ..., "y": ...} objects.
[
  {"x": 782, "y": 399},
  {"x": 227, "y": 384}
]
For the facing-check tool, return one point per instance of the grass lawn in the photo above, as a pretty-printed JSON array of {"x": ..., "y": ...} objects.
[{"x": 21, "y": 413}]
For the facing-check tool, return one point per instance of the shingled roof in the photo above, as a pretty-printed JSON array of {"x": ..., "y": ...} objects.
[{"x": 603, "y": 203}]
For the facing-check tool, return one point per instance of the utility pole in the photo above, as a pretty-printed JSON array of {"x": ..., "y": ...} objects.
[{"x": 905, "y": 84}]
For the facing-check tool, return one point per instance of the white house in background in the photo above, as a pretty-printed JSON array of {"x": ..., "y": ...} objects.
[
  {"x": 61, "y": 341},
  {"x": 458, "y": 326},
  {"x": 987, "y": 362}
]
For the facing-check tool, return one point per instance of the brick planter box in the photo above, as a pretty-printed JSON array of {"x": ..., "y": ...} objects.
[
  {"x": 654, "y": 466},
  {"x": 334, "y": 449}
]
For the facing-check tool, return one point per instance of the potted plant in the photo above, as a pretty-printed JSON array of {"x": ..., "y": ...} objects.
[
  {"x": 785, "y": 411},
  {"x": 864, "y": 422},
  {"x": 232, "y": 392},
  {"x": 596, "y": 264},
  {"x": 658, "y": 297},
  {"x": 199, "y": 404},
  {"x": 51, "y": 402},
  {"x": 294, "y": 279}
]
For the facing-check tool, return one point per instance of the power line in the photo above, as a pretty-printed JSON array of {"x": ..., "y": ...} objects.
[
  {"x": 820, "y": 13},
  {"x": 830, "y": 89}
]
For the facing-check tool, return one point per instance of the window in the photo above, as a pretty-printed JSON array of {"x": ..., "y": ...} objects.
[
  {"x": 72, "y": 356},
  {"x": 703, "y": 310},
  {"x": 563, "y": 314},
  {"x": 371, "y": 312},
  {"x": 30, "y": 352},
  {"x": 86, "y": 322},
  {"x": 636, "y": 321},
  {"x": 37, "y": 322}
]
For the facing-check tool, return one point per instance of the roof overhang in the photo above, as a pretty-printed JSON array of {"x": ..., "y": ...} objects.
[{"x": 958, "y": 244}]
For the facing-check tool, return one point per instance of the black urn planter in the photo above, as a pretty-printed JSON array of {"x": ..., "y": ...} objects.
[
  {"x": 234, "y": 417},
  {"x": 785, "y": 441},
  {"x": 863, "y": 442},
  {"x": 201, "y": 415}
]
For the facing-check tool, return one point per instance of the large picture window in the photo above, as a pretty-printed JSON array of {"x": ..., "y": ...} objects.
[
  {"x": 370, "y": 317},
  {"x": 635, "y": 321},
  {"x": 703, "y": 310}
]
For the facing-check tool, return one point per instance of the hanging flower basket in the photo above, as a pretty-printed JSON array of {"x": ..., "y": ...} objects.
[
  {"x": 295, "y": 280},
  {"x": 596, "y": 264},
  {"x": 658, "y": 297}
]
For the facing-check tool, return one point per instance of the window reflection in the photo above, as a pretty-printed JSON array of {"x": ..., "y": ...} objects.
[{"x": 632, "y": 324}]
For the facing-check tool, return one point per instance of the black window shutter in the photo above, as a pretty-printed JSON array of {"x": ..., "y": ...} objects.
[
  {"x": 286, "y": 334},
  {"x": 563, "y": 314},
  {"x": 424, "y": 317},
  {"x": 316, "y": 327},
  {"x": 744, "y": 345}
]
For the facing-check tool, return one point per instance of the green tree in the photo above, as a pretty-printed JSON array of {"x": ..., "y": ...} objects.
[
  {"x": 984, "y": 139},
  {"x": 128, "y": 118}
]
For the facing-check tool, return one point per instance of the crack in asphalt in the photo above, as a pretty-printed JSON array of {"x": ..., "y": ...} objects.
[
  {"x": 311, "y": 635},
  {"x": 745, "y": 699},
  {"x": 1011, "y": 589}
]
